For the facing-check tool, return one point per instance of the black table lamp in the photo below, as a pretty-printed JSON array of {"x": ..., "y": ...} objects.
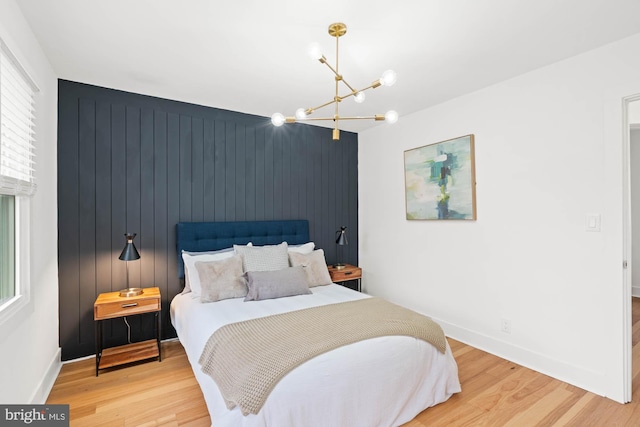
[
  {"x": 341, "y": 240},
  {"x": 129, "y": 253}
]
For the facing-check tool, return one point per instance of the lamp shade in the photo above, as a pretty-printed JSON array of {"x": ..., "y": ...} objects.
[
  {"x": 341, "y": 236},
  {"x": 129, "y": 253}
]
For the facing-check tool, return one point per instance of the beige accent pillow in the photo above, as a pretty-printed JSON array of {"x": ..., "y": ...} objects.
[
  {"x": 221, "y": 279},
  {"x": 315, "y": 267},
  {"x": 191, "y": 276}
]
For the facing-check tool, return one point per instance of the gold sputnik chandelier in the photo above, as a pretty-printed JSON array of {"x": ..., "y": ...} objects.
[{"x": 388, "y": 78}]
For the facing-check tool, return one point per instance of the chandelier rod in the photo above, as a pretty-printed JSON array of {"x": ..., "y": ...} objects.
[
  {"x": 336, "y": 131},
  {"x": 352, "y": 93},
  {"x": 378, "y": 117},
  {"x": 323, "y": 60}
]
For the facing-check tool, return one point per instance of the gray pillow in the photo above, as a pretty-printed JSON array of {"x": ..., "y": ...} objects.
[
  {"x": 221, "y": 279},
  {"x": 264, "y": 258},
  {"x": 315, "y": 267},
  {"x": 276, "y": 284}
]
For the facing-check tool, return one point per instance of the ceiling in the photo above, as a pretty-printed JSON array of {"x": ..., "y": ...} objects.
[{"x": 250, "y": 55}]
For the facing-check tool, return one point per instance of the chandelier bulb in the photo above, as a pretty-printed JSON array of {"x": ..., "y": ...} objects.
[
  {"x": 359, "y": 97},
  {"x": 388, "y": 78},
  {"x": 301, "y": 114},
  {"x": 391, "y": 116},
  {"x": 277, "y": 119},
  {"x": 314, "y": 51}
]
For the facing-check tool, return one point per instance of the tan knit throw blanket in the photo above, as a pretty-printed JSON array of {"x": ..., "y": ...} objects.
[{"x": 247, "y": 359}]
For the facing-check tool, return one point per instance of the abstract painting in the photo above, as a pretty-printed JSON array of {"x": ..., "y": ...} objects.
[{"x": 440, "y": 180}]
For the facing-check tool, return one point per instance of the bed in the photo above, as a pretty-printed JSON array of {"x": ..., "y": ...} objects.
[{"x": 382, "y": 381}]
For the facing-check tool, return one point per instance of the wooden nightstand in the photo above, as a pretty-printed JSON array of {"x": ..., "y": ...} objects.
[
  {"x": 348, "y": 273},
  {"x": 111, "y": 305}
]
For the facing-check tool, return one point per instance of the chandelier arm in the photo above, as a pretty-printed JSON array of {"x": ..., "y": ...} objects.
[
  {"x": 338, "y": 76},
  {"x": 320, "y": 106},
  {"x": 355, "y": 91},
  {"x": 348, "y": 85},
  {"x": 333, "y": 70},
  {"x": 376, "y": 117},
  {"x": 371, "y": 86},
  {"x": 311, "y": 119},
  {"x": 352, "y": 93},
  {"x": 314, "y": 119},
  {"x": 348, "y": 95}
]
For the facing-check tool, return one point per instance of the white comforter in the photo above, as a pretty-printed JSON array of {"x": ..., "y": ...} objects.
[{"x": 378, "y": 382}]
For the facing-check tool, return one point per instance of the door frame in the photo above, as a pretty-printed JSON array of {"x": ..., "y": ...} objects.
[{"x": 627, "y": 248}]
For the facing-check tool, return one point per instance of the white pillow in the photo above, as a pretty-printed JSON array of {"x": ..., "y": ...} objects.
[
  {"x": 306, "y": 248},
  {"x": 212, "y": 252},
  {"x": 191, "y": 277}
]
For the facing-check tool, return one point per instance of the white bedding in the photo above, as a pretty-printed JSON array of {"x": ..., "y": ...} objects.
[{"x": 384, "y": 381}]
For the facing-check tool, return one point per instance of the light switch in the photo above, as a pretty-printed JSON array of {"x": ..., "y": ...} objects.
[{"x": 592, "y": 222}]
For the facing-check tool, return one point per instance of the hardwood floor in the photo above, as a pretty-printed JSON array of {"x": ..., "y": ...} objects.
[
  {"x": 495, "y": 392},
  {"x": 142, "y": 394}
]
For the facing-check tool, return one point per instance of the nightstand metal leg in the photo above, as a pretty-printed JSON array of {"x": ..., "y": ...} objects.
[
  {"x": 98, "y": 345},
  {"x": 159, "y": 335}
]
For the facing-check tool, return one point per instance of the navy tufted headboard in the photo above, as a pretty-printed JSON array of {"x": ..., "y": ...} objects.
[{"x": 211, "y": 236}]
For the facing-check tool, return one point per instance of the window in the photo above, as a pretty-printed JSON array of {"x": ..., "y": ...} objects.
[
  {"x": 7, "y": 248},
  {"x": 17, "y": 180}
]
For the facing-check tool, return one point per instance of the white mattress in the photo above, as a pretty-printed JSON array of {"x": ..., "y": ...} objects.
[{"x": 384, "y": 381}]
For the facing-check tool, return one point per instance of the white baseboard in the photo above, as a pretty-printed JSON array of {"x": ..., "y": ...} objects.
[
  {"x": 44, "y": 388},
  {"x": 579, "y": 377},
  {"x": 635, "y": 291}
]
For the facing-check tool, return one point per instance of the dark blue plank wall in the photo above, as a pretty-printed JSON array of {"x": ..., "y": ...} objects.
[{"x": 134, "y": 163}]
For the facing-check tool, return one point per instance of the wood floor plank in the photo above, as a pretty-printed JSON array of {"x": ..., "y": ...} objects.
[
  {"x": 574, "y": 411},
  {"x": 495, "y": 392},
  {"x": 537, "y": 411}
]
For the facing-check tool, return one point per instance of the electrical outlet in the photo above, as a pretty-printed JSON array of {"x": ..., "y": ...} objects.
[{"x": 505, "y": 326}]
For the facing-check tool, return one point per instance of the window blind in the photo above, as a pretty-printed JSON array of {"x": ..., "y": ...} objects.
[{"x": 17, "y": 127}]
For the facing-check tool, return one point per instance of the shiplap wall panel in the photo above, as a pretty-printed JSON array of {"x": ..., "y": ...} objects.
[
  {"x": 68, "y": 233},
  {"x": 197, "y": 170},
  {"x": 161, "y": 228},
  {"x": 134, "y": 163},
  {"x": 86, "y": 212}
]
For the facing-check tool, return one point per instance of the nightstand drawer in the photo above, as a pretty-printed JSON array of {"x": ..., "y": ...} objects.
[
  {"x": 349, "y": 273},
  {"x": 126, "y": 308},
  {"x": 110, "y": 305}
]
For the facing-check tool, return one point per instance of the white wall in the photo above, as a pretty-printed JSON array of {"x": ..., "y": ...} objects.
[
  {"x": 548, "y": 151},
  {"x": 29, "y": 349}
]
